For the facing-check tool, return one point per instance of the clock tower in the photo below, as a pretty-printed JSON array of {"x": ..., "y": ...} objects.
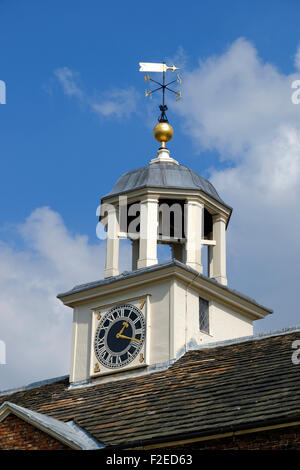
[{"x": 137, "y": 321}]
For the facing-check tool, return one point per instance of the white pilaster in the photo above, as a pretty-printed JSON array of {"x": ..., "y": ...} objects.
[
  {"x": 217, "y": 256},
  {"x": 112, "y": 244},
  {"x": 194, "y": 222},
  {"x": 148, "y": 232}
]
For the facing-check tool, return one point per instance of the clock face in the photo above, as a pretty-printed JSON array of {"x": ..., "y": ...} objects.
[{"x": 119, "y": 336}]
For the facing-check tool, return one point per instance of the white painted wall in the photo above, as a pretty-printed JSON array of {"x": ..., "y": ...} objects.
[
  {"x": 225, "y": 323},
  {"x": 158, "y": 318},
  {"x": 173, "y": 313}
]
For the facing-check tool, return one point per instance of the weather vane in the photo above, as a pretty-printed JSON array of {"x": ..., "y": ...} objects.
[
  {"x": 163, "y": 131},
  {"x": 163, "y": 67}
]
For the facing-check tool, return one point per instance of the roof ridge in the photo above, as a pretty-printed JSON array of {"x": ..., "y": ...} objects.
[{"x": 244, "y": 339}]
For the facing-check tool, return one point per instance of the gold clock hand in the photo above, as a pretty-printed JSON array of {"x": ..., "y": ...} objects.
[
  {"x": 125, "y": 325},
  {"x": 127, "y": 337}
]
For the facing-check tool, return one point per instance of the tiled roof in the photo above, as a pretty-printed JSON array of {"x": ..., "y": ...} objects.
[{"x": 208, "y": 391}]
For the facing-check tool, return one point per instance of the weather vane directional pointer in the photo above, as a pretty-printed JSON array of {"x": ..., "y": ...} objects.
[
  {"x": 163, "y": 131},
  {"x": 161, "y": 67}
]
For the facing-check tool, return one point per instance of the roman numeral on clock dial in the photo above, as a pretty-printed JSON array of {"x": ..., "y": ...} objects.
[{"x": 119, "y": 336}]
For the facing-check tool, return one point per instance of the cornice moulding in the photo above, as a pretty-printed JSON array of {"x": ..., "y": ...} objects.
[{"x": 213, "y": 290}]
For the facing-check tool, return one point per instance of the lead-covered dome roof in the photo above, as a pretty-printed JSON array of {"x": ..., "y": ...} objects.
[{"x": 163, "y": 175}]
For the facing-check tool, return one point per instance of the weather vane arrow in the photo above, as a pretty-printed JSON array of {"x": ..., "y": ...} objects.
[
  {"x": 163, "y": 131},
  {"x": 163, "y": 68},
  {"x": 154, "y": 67}
]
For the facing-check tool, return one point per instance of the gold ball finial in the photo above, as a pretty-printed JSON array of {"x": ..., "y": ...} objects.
[{"x": 163, "y": 132}]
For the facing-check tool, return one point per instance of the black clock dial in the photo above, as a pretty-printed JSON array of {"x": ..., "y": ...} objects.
[{"x": 119, "y": 336}]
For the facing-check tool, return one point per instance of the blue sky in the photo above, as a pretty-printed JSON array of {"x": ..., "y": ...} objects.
[
  {"x": 76, "y": 119},
  {"x": 53, "y": 151}
]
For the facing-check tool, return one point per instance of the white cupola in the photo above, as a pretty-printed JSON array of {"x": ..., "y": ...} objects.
[
  {"x": 166, "y": 202},
  {"x": 134, "y": 322}
]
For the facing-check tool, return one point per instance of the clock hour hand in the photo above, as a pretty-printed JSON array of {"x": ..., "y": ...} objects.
[{"x": 127, "y": 337}]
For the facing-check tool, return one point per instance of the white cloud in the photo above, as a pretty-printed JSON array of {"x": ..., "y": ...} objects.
[
  {"x": 240, "y": 106},
  {"x": 119, "y": 103},
  {"x": 179, "y": 59},
  {"x": 233, "y": 99},
  {"x": 35, "y": 326},
  {"x": 67, "y": 79}
]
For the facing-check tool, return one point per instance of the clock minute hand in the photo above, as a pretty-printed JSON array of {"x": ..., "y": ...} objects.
[
  {"x": 127, "y": 337},
  {"x": 125, "y": 325}
]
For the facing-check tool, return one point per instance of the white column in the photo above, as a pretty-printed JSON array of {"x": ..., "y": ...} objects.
[
  {"x": 148, "y": 232},
  {"x": 112, "y": 244},
  {"x": 194, "y": 223},
  {"x": 217, "y": 265}
]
